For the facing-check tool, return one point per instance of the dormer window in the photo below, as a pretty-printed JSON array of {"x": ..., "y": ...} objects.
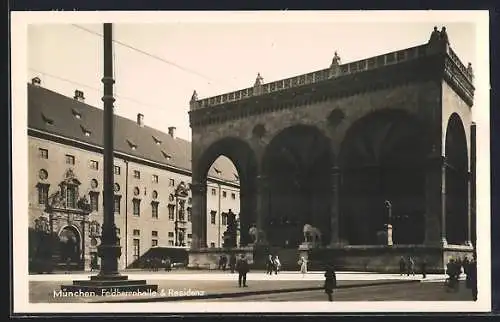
[
  {"x": 85, "y": 131},
  {"x": 48, "y": 121},
  {"x": 156, "y": 140},
  {"x": 76, "y": 114},
  {"x": 166, "y": 155},
  {"x": 132, "y": 145}
]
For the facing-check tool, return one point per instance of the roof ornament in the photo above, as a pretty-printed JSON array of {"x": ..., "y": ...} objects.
[
  {"x": 259, "y": 80},
  {"x": 194, "y": 97},
  {"x": 336, "y": 59},
  {"x": 439, "y": 39},
  {"x": 470, "y": 71}
]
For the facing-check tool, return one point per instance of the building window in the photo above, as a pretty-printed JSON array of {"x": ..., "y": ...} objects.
[
  {"x": 154, "y": 209},
  {"x": 170, "y": 243},
  {"x": 43, "y": 194},
  {"x": 154, "y": 242},
  {"x": 212, "y": 217},
  {"x": 137, "y": 249},
  {"x": 94, "y": 164},
  {"x": 155, "y": 178},
  {"x": 70, "y": 159},
  {"x": 117, "y": 170},
  {"x": 117, "y": 231},
  {"x": 171, "y": 214},
  {"x": 188, "y": 209},
  {"x": 154, "y": 233},
  {"x": 44, "y": 153},
  {"x": 170, "y": 234},
  {"x": 137, "y": 207},
  {"x": 214, "y": 192},
  {"x": 224, "y": 219},
  {"x": 117, "y": 200},
  {"x": 137, "y": 174},
  {"x": 233, "y": 195},
  {"x": 94, "y": 201},
  {"x": 171, "y": 182},
  {"x": 212, "y": 245},
  {"x": 224, "y": 194},
  {"x": 190, "y": 235},
  {"x": 136, "y": 232},
  {"x": 71, "y": 193},
  {"x": 190, "y": 200}
]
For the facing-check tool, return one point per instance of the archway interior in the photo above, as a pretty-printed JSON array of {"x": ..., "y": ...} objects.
[
  {"x": 382, "y": 158},
  {"x": 456, "y": 182},
  {"x": 232, "y": 161},
  {"x": 297, "y": 164},
  {"x": 69, "y": 244}
]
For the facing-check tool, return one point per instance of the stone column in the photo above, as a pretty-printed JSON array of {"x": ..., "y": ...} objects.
[
  {"x": 469, "y": 211},
  {"x": 335, "y": 207},
  {"x": 435, "y": 203},
  {"x": 199, "y": 215},
  {"x": 262, "y": 207}
]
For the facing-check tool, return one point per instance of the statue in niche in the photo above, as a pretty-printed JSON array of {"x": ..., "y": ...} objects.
[
  {"x": 470, "y": 71},
  {"x": 257, "y": 236}
]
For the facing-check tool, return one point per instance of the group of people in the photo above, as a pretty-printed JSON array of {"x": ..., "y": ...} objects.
[
  {"x": 224, "y": 261},
  {"x": 455, "y": 267},
  {"x": 407, "y": 266},
  {"x": 154, "y": 264},
  {"x": 273, "y": 264}
]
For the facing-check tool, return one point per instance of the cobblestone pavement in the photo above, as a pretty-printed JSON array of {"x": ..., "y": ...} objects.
[{"x": 393, "y": 292}]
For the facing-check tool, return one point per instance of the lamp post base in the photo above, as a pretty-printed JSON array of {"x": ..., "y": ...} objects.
[{"x": 109, "y": 285}]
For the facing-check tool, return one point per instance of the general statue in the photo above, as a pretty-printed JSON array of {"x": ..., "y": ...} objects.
[
  {"x": 257, "y": 236},
  {"x": 312, "y": 234},
  {"x": 336, "y": 59}
]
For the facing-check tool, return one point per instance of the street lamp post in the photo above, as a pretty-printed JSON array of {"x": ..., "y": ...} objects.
[{"x": 109, "y": 278}]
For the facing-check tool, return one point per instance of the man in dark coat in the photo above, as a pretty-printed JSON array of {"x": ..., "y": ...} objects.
[
  {"x": 424, "y": 268},
  {"x": 402, "y": 265},
  {"x": 242, "y": 267},
  {"x": 330, "y": 282},
  {"x": 471, "y": 279}
]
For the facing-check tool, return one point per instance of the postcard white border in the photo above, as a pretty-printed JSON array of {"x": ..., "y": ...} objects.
[{"x": 19, "y": 23}]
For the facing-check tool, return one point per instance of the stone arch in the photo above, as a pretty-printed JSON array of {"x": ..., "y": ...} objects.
[
  {"x": 382, "y": 157},
  {"x": 456, "y": 156},
  {"x": 245, "y": 161},
  {"x": 70, "y": 243},
  {"x": 297, "y": 164}
]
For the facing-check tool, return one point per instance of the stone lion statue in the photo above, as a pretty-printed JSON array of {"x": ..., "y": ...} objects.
[
  {"x": 257, "y": 236},
  {"x": 311, "y": 234}
]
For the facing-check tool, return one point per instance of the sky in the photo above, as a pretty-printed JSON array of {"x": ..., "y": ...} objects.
[{"x": 211, "y": 58}]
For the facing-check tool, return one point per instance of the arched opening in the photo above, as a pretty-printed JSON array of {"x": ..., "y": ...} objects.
[
  {"x": 382, "y": 158},
  {"x": 70, "y": 245},
  {"x": 456, "y": 181},
  {"x": 229, "y": 169},
  {"x": 297, "y": 163}
]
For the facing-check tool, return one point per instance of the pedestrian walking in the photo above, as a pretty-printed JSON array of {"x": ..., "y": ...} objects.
[
  {"x": 243, "y": 268},
  {"x": 303, "y": 265},
  {"x": 471, "y": 278},
  {"x": 330, "y": 282},
  {"x": 232, "y": 262},
  {"x": 424, "y": 268},
  {"x": 277, "y": 264},
  {"x": 402, "y": 266},
  {"x": 270, "y": 264},
  {"x": 411, "y": 266}
]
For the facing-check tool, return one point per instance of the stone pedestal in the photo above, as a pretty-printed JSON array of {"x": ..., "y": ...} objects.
[
  {"x": 304, "y": 250},
  {"x": 389, "y": 234}
]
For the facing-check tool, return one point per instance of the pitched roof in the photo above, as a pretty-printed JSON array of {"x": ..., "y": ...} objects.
[{"x": 57, "y": 114}]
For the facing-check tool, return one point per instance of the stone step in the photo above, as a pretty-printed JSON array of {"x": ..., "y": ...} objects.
[
  {"x": 108, "y": 283},
  {"x": 109, "y": 278}
]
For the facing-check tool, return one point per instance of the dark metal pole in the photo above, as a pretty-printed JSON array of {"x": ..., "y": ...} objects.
[{"x": 109, "y": 250}]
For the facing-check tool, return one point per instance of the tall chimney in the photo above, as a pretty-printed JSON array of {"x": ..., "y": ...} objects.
[
  {"x": 140, "y": 120},
  {"x": 171, "y": 131},
  {"x": 36, "y": 81},
  {"x": 79, "y": 96}
]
